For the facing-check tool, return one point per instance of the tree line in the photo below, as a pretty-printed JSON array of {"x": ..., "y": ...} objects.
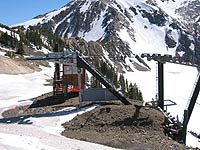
[
  {"x": 130, "y": 90},
  {"x": 32, "y": 36}
]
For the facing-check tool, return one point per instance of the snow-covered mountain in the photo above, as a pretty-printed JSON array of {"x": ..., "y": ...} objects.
[
  {"x": 187, "y": 12},
  {"x": 118, "y": 29},
  {"x": 123, "y": 27}
]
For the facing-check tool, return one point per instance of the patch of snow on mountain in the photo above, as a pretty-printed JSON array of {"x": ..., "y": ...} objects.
[
  {"x": 85, "y": 7},
  {"x": 181, "y": 53},
  {"x": 9, "y": 33},
  {"x": 43, "y": 19},
  {"x": 56, "y": 26},
  {"x": 97, "y": 31},
  {"x": 169, "y": 6},
  {"x": 32, "y": 22},
  {"x": 128, "y": 3},
  {"x": 4, "y": 30},
  {"x": 44, "y": 50},
  {"x": 192, "y": 46},
  {"x": 146, "y": 81},
  {"x": 147, "y": 40}
]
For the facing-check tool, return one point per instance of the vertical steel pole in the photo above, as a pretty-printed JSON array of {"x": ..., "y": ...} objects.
[
  {"x": 184, "y": 129},
  {"x": 161, "y": 85},
  {"x": 57, "y": 66},
  {"x": 79, "y": 86},
  {"x": 79, "y": 78}
]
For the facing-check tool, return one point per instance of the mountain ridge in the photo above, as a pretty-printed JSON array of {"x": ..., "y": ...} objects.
[{"x": 122, "y": 27}]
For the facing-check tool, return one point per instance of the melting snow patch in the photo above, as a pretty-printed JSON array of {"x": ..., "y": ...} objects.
[{"x": 23, "y": 142}]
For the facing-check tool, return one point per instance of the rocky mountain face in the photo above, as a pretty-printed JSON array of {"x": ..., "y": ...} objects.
[
  {"x": 190, "y": 16},
  {"x": 122, "y": 29}
]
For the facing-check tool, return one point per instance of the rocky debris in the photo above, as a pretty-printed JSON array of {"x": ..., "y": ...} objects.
[
  {"x": 189, "y": 13},
  {"x": 169, "y": 39},
  {"x": 120, "y": 126}
]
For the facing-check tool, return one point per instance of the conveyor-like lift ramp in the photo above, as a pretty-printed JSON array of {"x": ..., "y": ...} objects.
[
  {"x": 61, "y": 57},
  {"x": 82, "y": 63}
]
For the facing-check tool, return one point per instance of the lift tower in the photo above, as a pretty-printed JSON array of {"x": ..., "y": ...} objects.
[
  {"x": 63, "y": 57},
  {"x": 191, "y": 103}
]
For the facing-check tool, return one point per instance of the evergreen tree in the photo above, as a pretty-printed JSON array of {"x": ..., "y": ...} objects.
[
  {"x": 103, "y": 68},
  {"x": 122, "y": 83},
  {"x": 7, "y": 40},
  {"x": 20, "y": 49},
  {"x": 4, "y": 39},
  {"x": 116, "y": 80},
  {"x": 134, "y": 92},
  {"x": 94, "y": 83}
]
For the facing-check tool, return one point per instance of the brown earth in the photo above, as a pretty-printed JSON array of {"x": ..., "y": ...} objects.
[
  {"x": 123, "y": 127},
  {"x": 111, "y": 124},
  {"x": 16, "y": 66}
]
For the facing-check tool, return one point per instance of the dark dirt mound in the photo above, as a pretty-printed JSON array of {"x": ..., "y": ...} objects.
[
  {"x": 113, "y": 124},
  {"x": 121, "y": 126},
  {"x": 43, "y": 104}
]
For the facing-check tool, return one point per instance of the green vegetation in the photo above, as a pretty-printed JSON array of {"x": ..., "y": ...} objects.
[
  {"x": 129, "y": 90},
  {"x": 10, "y": 54},
  {"x": 134, "y": 92},
  {"x": 8, "y": 40},
  {"x": 20, "y": 49},
  {"x": 32, "y": 36}
]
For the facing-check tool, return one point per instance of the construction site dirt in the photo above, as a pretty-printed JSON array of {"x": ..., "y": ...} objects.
[{"x": 132, "y": 127}]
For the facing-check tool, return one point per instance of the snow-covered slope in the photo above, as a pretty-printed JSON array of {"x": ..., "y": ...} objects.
[
  {"x": 42, "y": 132},
  {"x": 186, "y": 12},
  {"x": 41, "y": 19},
  {"x": 122, "y": 26},
  {"x": 4, "y": 30},
  {"x": 127, "y": 27}
]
